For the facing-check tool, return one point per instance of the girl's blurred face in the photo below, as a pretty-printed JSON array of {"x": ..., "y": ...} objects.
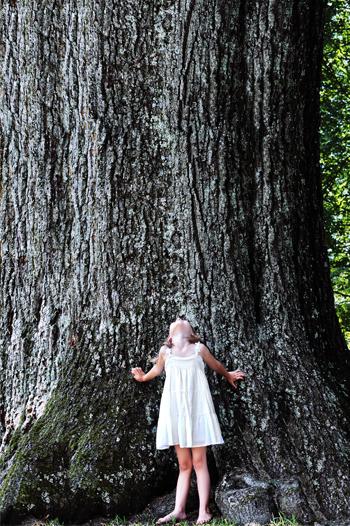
[{"x": 180, "y": 328}]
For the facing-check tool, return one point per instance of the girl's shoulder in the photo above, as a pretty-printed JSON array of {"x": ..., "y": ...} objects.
[
  {"x": 201, "y": 349},
  {"x": 199, "y": 346},
  {"x": 164, "y": 350}
]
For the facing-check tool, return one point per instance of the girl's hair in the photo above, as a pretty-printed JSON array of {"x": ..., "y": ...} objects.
[{"x": 193, "y": 338}]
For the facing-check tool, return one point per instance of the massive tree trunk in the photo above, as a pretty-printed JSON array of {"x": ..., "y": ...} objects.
[{"x": 158, "y": 159}]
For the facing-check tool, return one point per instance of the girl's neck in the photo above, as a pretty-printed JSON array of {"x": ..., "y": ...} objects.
[{"x": 180, "y": 342}]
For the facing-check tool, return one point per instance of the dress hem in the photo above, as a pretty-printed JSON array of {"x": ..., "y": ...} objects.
[{"x": 199, "y": 445}]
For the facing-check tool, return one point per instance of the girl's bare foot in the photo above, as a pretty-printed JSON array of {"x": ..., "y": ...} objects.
[
  {"x": 204, "y": 517},
  {"x": 171, "y": 516}
]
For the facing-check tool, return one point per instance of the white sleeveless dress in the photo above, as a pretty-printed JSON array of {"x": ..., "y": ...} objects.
[{"x": 186, "y": 414}]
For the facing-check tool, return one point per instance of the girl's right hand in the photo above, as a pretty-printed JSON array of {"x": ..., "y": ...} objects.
[{"x": 138, "y": 374}]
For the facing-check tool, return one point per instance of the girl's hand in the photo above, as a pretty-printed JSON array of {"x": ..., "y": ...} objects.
[
  {"x": 235, "y": 375},
  {"x": 138, "y": 374}
]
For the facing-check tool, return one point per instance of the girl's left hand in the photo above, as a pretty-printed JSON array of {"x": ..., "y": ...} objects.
[{"x": 235, "y": 375}]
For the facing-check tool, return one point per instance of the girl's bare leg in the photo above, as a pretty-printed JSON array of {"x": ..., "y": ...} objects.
[
  {"x": 183, "y": 485},
  {"x": 199, "y": 459}
]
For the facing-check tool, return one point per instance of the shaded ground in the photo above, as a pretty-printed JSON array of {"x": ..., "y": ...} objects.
[{"x": 160, "y": 506}]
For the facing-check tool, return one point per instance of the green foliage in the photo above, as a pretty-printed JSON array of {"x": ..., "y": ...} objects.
[
  {"x": 283, "y": 520},
  {"x": 335, "y": 152}
]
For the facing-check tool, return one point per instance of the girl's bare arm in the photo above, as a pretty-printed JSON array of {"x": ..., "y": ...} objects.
[
  {"x": 213, "y": 363},
  {"x": 156, "y": 370}
]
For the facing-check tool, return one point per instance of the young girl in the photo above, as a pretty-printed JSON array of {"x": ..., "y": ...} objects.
[{"x": 187, "y": 418}]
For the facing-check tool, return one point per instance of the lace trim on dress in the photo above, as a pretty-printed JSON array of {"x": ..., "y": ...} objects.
[{"x": 196, "y": 350}]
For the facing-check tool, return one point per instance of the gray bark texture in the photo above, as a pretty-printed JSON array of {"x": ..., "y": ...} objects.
[{"x": 161, "y": 158}]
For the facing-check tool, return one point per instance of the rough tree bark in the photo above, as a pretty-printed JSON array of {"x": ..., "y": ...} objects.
[{"x": 161, "y": 158}]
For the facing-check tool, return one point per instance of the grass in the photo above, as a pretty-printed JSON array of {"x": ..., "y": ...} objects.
[{"x": 281, "y": 520}]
